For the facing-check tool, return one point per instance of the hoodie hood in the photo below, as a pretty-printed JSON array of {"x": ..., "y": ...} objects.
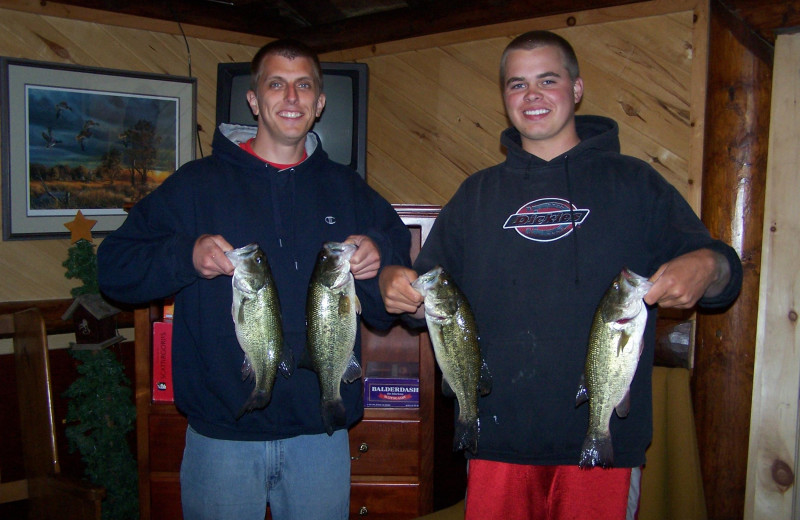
[
  {"x": 595, "y": 132},
  {"x": 238, "y": 134},
  {"x": 283, "y": 183}
]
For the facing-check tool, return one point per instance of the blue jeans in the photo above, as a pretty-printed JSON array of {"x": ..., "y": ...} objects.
[{"x": 305, "y": 477}]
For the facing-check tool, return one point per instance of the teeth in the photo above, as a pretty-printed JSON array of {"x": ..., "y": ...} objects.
[
  {"x": 537, "y": 112},
  {"x": 293, "y": 115}
]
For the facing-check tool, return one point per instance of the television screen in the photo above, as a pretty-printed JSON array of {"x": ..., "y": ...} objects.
[{"x": 342, "y": 127}]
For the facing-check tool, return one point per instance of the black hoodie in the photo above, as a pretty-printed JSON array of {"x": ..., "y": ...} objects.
[
  {"x": 534, "y": 244},
  {"x": 289, "y": 213}
]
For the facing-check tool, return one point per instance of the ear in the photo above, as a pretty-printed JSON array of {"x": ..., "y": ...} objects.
[
  {"x": 320, "y": 104},
  {"x": 252, "y": 100},
  {"x": 577, "y": 90}
]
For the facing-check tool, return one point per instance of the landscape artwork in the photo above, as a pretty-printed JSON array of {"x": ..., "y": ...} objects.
[{"x": 96, "y": 151}]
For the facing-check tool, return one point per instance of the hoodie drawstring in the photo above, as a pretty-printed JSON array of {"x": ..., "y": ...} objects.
[
  {"x": 572, "y": 222},
  {"x": 284, "y": 199}
]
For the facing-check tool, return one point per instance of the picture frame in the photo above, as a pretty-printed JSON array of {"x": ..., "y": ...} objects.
[{"x": 86, "y": 138}]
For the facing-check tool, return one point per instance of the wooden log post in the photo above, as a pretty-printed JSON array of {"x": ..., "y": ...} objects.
[
  {"x": 734, "y": 172},
  {"x": 774, "y": 422}
]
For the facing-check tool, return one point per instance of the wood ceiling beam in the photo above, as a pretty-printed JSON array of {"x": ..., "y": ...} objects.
[
  {"x": 434, "y": 18},
  {"x": 422, "y": 19},
  {"x": 766, "y": 17},
  {"x": 254, "y": 18},
  {"x": 316, "y": 12}
]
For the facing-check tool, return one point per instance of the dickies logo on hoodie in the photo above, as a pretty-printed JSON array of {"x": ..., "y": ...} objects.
[{"x": 546, "y": 220}]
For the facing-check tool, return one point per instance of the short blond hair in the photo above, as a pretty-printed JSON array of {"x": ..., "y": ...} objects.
[
  {"x": 535, "y": 39},
  {"x": 289, "y": 49}
]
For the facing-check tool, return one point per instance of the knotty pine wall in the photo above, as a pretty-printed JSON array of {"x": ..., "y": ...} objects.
[{"x": 435, "y": 109}]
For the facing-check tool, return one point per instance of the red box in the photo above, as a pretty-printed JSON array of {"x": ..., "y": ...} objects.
[{"x": 162, "y": 362}]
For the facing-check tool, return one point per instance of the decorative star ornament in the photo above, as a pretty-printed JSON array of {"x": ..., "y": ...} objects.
[{"x": 80, "y": 228}]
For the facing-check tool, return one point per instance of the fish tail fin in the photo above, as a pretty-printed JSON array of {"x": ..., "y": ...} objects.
[
  {"x": 333, "y": 415},
  {"x": 466, "y": 436},
  {"x": 597, "y": 450},
  {"x": 258, "y": 399}
]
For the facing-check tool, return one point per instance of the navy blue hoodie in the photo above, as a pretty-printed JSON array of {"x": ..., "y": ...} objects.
[
  {"x": 290, "y": 214},
  {"x": 534, "y": 244}
]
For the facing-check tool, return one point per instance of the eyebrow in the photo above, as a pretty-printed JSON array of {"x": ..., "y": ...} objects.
[
  {"x": 549, "y": 74},
  {"x": 306, "y": 79}
]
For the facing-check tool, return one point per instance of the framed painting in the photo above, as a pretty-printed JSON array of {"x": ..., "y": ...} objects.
[{"x": 89, "y": 139}]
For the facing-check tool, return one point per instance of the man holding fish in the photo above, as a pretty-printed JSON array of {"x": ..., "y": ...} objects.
[
  {"x": 540, "y": 244},
  {"x": 236, "y": 237}
]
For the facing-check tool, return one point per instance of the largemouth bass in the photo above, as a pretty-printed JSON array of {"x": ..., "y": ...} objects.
[
  {"x": 454, "y": 335},
  {"x": 257, "y": 319},
  {"x": 331, "y": 309},
  {"x": 615, "y": 345}
]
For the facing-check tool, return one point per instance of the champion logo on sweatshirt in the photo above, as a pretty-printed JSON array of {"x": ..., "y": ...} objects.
[{"x": 546, "y": 220}]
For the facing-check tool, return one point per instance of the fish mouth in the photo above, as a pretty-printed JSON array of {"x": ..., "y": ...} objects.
[
  {"x": 236, "y": 255},
  {"x": 638, "y": 282},
  {"x": 426, "y": 280},
  {"x": 345, "y": 249}
]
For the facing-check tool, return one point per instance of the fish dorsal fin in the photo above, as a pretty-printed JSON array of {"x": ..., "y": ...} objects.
[{"x": 353, "y": 370}]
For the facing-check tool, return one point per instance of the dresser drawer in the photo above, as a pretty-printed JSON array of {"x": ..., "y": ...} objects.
[
  {"x": 384, "y": 499},
  {"x": 385, "y": 447},
  {"x": 167, "y": 440},
  {"x": 165, "y": 497}
]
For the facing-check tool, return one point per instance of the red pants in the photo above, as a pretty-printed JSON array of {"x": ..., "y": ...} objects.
[{"x": 497, "y": 490}]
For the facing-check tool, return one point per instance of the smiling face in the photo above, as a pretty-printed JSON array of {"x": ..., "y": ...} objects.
[
  {"x": 540, "y": 99},
  {"x": 286, "y": 105}
]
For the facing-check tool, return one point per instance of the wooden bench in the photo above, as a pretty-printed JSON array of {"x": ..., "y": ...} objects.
[{"x": 50, "y": 494}]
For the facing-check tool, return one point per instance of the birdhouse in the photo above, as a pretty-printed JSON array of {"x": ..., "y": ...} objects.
[{"x": 93, "y": 318}]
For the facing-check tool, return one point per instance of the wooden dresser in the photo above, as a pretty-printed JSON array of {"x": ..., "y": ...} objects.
[{"x": 391, "y": 449}]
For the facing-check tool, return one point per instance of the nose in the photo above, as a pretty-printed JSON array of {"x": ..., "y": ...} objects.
[
  {"x": 291, "y": 93},
  {"x": 532, "y": 93}
]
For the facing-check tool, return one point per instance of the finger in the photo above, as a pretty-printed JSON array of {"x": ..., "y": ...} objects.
[
  {"x": 365, "y": 274},
  {"x": 223, "y": 263}
]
